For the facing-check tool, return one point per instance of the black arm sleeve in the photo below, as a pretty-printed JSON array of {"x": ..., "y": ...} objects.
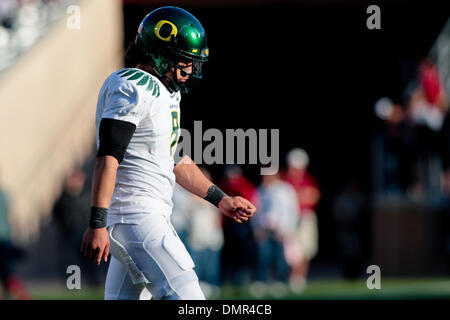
[{"x": 114, "y": 136}]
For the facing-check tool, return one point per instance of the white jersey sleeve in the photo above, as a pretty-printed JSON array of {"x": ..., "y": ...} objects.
[{"x": 122, "y": 101}]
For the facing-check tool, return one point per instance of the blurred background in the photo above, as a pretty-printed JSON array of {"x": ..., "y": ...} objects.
[{"x": 364, "y": 145}]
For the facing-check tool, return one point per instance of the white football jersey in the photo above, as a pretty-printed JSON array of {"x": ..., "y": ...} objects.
[{"x": 145, "y": 177}]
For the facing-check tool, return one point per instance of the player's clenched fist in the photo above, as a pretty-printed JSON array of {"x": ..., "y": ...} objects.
[
  {"x": 95, "y": 245},
  {"x": 237, "y": 208}
]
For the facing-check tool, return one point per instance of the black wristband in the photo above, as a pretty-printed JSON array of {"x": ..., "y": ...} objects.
[
  {"x": 214, "y": 195},
  {"x": 98, "y": 217}
]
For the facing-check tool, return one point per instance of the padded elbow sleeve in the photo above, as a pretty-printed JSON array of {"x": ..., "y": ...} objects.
[{"x": 114, "y": 136}]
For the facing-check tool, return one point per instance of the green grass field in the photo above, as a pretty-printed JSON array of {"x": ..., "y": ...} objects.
[{"x": 418, "y": 288}]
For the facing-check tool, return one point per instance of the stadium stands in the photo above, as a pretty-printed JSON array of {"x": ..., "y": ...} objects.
[{"x": 49, "y": 83}]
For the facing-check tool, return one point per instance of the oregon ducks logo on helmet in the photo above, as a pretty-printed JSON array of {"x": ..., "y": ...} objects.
[
  {"x": 169, "y": 35},
  {"x": 165, "y": 29}
]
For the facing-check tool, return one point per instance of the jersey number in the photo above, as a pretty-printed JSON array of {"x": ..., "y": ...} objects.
[{"x": 175, "y": 132}]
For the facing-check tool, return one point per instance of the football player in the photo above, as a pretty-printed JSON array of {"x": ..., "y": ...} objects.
[{"x": 138, "y": 125}]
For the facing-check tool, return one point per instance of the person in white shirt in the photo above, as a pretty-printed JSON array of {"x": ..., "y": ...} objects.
[{"x": 274, "y": 227}]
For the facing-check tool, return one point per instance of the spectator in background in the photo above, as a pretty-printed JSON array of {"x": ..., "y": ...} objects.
[
  {"x": 9, "y": 253},
  {"x": 428, "y": 107},
  {"x": 273, "y": 226},
  {"x": 428, "y": 103},
  {"x": 239, "y": 250},
  {"x": 413, "y": 147},
  {"x": 70, "y": 216},
  {"x": 300, "y": 251}
]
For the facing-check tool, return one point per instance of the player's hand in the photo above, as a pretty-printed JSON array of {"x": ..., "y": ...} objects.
[
  {"x": 237, "y": 208},
  {"x": 95, "y": 245}
]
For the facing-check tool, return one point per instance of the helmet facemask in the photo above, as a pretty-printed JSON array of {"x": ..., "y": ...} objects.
[
  {"x": 193, "y": 79},
  {"x": 162, "y": 63}
]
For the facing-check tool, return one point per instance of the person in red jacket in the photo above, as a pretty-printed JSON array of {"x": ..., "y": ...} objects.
[{"x": 239, "y": 248}]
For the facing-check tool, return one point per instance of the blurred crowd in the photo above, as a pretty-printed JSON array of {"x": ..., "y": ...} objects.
[
  {"x": 23, "y": 22},
  {"x": 271, "y": 253},
  {"x": 412, "y": 143}
]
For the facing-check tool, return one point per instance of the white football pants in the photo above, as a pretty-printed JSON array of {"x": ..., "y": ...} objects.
[{"x": 148, "y": 259}]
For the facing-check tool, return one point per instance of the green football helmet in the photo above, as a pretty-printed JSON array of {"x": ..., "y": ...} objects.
[{"x": 169, "y": 35}]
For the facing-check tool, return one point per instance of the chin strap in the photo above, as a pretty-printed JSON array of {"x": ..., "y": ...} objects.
[{"x": 171, "y": 86}]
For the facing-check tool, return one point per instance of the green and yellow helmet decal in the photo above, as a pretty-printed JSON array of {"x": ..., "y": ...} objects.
[{"x": 176, "y": 30}]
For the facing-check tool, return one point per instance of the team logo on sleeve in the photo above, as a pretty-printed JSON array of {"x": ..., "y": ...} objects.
[{"x": 144, "y": 80}]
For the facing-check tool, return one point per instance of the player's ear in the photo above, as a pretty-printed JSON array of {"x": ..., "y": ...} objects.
[{"x": 173, "y": 71}]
